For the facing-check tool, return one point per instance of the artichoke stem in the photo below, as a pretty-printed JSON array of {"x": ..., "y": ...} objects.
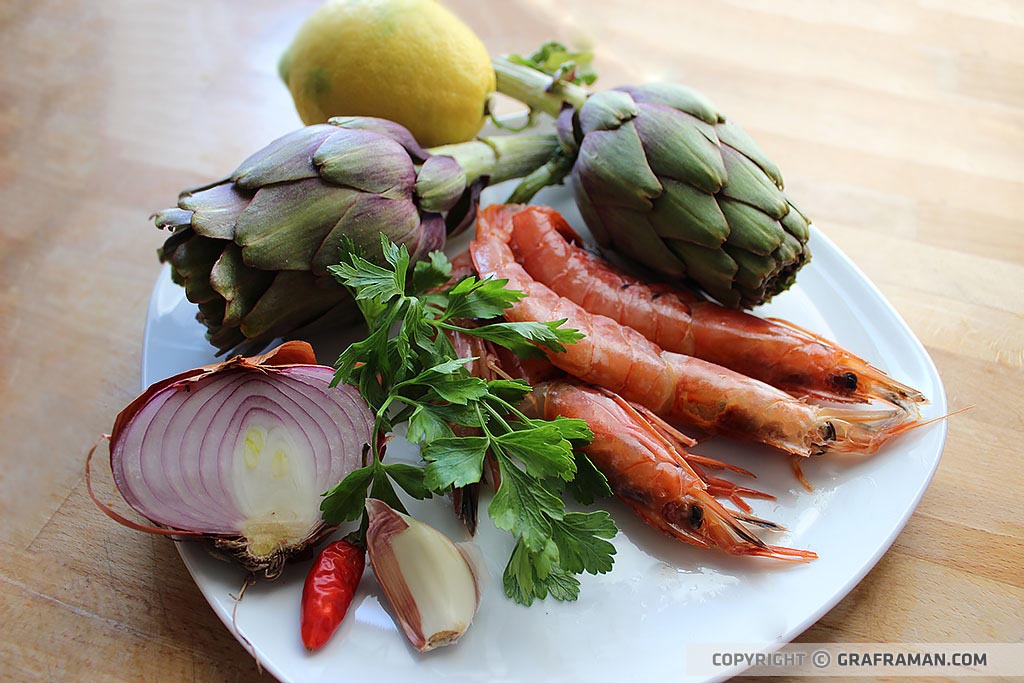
[
  {"x": 551, "y": 173},
  {"x": 535, "y": 88},
  {"x": 502, "y": 157}
]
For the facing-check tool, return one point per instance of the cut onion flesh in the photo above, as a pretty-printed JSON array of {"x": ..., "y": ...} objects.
[{"x": 242, "y": 452}]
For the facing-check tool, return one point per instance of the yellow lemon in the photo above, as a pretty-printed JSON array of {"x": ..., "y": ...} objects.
[{"x": 411, "y": 61}]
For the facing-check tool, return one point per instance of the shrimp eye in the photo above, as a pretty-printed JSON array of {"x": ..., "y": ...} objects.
[
  {"x": 696, "y": 516},
  {"x": 847, "y": 381}
]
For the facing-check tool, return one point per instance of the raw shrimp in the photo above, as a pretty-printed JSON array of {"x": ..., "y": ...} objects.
[
  {"x": 680, "y": 388},
  {"x": 651, "y": 474},
  {"x": 773, "y": 351}
]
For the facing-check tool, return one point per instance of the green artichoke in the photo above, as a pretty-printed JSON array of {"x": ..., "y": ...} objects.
[
  {"x": 252, "y": 250},
  {"x": 664, "y": 179},
  {"x": 661, "y": 177}
]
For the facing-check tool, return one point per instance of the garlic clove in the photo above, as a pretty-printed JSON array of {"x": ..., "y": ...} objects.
[{"x": 430, "y": 584}]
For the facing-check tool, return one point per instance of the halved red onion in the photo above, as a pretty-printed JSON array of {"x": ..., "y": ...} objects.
[{"x": 241, "y": 453}]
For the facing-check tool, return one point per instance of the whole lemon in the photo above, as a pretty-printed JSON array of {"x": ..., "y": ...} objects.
[{"x": 410, "y": 61}]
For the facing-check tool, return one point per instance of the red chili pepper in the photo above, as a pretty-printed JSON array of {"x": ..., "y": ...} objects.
[{"x": 328, "y": 591}]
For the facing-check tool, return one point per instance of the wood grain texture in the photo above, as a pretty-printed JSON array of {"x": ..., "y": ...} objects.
[{"x": 900, "y": 127}]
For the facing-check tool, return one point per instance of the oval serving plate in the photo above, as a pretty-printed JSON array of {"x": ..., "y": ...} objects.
[{"x": 662, "y": 595}]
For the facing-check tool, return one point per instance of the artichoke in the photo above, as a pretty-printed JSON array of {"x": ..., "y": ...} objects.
[
  {"x": 252, "y": 250},
  {"x": 661, "y": 177}
]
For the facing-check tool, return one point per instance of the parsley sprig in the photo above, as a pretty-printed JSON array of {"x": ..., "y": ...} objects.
[
  {"x": 408, "y": 371},
  {"x": 561, "y": 63}
]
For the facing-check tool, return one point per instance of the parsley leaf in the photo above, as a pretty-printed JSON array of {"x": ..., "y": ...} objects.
[
  {"x": 454, "y": 461},
  {"x": 370, "y": 281},
  {"x": 589, "y": 483},
  {"x": 473, "y": 298},
  {"x": 427, "y": 425},
  {"x": 409, "y": 478},
  {"x": 523, "y": 338},
  {"x": 524, "y": 506},
  {"x": 542, "y": 450},
  {"x": 510, "y": 390},
  {"x": 524, "y": 578},
  {"x": 432, "y": 273},
  {"x": 345, "y": 501},
  {"x": 580, "y": 540}
]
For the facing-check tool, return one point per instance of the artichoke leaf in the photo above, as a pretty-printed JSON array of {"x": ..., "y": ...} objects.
[
  {"x": 192, "y": 261},
  {"x": 642, "y": 243},
  {"x": 712, "y": 269},
  {"x": 687, "y": 214},
  {"x": 285, "y": 225},
  {"x": 676, "y": 148},
  {"x": 732, "y": 134},
  {"x": 216, "y": 210},
  {"x": 395, "y": 131},
  {"x": 617, "y": 172},
  {"x": 288, "y": 158},
  {"x": 751, "y": 229},
  {"x": 796, "y": 224},
  {"x": 181, "y": 234},
  {"x": 172, "y": 219},
  {"x": 440, "y": 184},
  {"x": 754, "y": 269},
  {"x": 366, "y": 161},
  {"x": 293, "y": 299},
  {"x": 677, "y": 97},
  {"x": 211, "y": 311},
  {"x": 606, "y": 110},
  {"x": 240, "y": 285},
  {"x": 225, "y": 338},
  {"x": 366, "y": 217},
  {"x": 591, "y": 217},
  {"x": 789, "y": 252},
  {"x": 749, "y": 184}
]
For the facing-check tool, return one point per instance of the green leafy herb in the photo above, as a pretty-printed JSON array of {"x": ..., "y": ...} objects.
[
  {"x": 408, "y": 371},
  {"x": 562, "y": 64}
]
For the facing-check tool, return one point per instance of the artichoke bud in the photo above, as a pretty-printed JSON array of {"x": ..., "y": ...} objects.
[
  {"x": 664, "y": 179},
  {"x": 440, "y": 183},
  {"x": 252, "y": 250}
]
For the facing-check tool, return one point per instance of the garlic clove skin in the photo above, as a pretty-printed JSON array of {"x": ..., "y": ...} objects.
[{"x": 430, "y": 584}]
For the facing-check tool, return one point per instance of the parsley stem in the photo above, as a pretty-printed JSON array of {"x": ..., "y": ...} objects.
[
  {"x": 512, "y": 409},
  {"x": 483, "y": 423},
  {"x": 498, "y": 417},
  {"x": 441, "y": 324}
]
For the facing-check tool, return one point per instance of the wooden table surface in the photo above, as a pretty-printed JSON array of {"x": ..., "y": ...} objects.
[{"x": 900, "y": 126}]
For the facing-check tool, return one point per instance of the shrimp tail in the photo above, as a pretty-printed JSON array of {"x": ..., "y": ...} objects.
[{"x": 466, "y": 501}]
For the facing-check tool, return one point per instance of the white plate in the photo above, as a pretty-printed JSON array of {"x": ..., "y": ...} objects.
[{"x": 635, "y": 622}]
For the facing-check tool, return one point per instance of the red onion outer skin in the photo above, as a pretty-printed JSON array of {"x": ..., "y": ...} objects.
[{"x": 179, "y": 454}]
